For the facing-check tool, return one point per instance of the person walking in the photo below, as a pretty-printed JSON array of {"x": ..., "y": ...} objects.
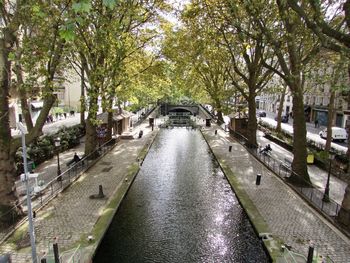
[{"x": 316, "y": 123}]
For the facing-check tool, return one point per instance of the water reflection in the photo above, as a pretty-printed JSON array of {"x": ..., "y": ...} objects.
[{"x": 180, "y": 208}]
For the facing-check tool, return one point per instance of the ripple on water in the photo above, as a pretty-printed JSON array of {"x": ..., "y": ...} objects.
[{"x": 179, "y": 209}]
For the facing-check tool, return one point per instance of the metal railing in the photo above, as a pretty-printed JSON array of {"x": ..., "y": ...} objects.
[
  {"x": 306, "y": 190},
  {"x": 51, "y": 189}
]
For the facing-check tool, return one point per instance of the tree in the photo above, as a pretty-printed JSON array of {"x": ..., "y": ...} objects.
[
  {"x": 200, "y": 59},
  {"x": 334, "y": 34},
  {"x": 15, "y": 46},
  {"x": 98, "y": 30},
  {"x": 280, "y": 108},
  {"x": 248, "y": 53},
  {"x": 294, "y": 47}
]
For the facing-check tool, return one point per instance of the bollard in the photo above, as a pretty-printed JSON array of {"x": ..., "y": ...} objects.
[
  {"x": 55, "y": 252},
  {"x": 258, "y": 179},
  {"x": 100, "y": 192},
  {"x": 310, "y": 254},
  {"x": 230, "y": 148},
  {"x": 216, "y": 132}
]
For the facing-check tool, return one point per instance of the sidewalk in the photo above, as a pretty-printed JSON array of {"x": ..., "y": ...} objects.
[
  {"x": 276, "y": 208},
  {"x": 72, "y": 216},
  {"x": 318, "y": 176},
  {"x": 312, "y": 132}
]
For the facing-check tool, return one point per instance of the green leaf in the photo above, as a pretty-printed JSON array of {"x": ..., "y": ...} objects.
[
  {"x": 12, "y": 56},
  {"x": 67, "y": 34},
  {"x": 110, "y": 3},
  {"x": 83, "y": 6},
  {"x": 67, "y": 31},
  {"x": 37, "y": 11}
]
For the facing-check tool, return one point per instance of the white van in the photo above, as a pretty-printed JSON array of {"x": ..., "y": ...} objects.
[{"x": 338, "y": 134}]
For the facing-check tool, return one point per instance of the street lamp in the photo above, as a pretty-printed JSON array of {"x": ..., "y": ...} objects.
[
  {"x": 58, "y": 144},
  {"x": 326, "y": 190},
  {"x": 29, "y": 200}
]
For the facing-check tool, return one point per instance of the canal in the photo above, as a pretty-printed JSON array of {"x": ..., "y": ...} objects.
[{"x": 180, "y": 208}]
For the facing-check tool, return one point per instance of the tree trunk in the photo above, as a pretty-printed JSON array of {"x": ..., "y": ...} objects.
[
  {"x": 330, "y": 121},
  {"x": 22, "y": 92},
  {"x": 252, "y": 125},
  {"x": 109, "y": 125},
  {"x": 280, "y": 110},
  {"x": 220, "y": 117},
  {"x": 6, "y": 161},
  {"x": 219, "y": 112},
  {"x": 91, "y": 135},
  {"x": 299, "y": 165},
  {"x": 344, "y": 213},
  {"x": 82, "y": 97},
  {"x": 90, "y": 140}
]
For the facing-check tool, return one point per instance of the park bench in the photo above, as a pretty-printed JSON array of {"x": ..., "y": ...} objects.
[{"x": 287, "y": 164}]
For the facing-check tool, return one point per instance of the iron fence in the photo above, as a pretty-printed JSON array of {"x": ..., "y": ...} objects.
[
  {"x": 306, "y": 190},
  {"x": 10, "y": 219}
]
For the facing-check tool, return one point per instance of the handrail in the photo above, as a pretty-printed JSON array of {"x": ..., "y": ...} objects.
[
  {"x": 53, "y": 187},
  {"x": 311, "y": 194}
]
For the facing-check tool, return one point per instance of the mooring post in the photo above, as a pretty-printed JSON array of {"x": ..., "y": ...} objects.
[
  {"x": 310, "y": 254},
  {"x": 56, "y": 253},
  {"x": 258, "y": 179},
  {"x": 100, "y": 191}
]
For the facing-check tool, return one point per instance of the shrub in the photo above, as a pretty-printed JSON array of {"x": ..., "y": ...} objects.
[{"x": 44, "y": 147}]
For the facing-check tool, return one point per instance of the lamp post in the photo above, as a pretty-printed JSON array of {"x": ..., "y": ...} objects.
[
  {"x": 326, "y": 190},
  {"x": 58, "y": 144},
  {"x": 29, "y": 201}
]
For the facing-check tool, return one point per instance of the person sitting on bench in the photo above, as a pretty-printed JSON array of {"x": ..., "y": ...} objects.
[{"x": 76, "y": 158}]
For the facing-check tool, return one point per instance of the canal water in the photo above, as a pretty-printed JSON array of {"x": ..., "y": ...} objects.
[{"x": 180, "y": 208}]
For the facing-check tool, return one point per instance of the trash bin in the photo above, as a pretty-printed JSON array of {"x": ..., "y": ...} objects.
[{"x": 310, "y": 158}]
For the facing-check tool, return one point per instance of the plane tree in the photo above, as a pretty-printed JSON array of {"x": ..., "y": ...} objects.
[
  {"x": 247, "y": 50},
  {"x": 294, "y": 47},
  {"x": 30, "y": 44},
  {"x": 330, "y": 21},
  {"x": 200, "y": 59},
  {"x": 98, "y": 30}
]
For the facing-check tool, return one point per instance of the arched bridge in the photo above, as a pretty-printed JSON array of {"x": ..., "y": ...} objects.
[
  {"x": 193, "y": 109},
  {"x": 172, "y": 108}
]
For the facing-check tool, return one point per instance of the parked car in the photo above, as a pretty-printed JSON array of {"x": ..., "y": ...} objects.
[
  {"x": 261, "y": 113},
  {"x": 284, "y": 119},
  {"x": 338, "y": 134}
]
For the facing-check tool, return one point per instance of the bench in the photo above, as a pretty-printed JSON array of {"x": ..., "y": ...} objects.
[
  {"x": 74, "y": 162},
  {"x": 287, "y": 164}
]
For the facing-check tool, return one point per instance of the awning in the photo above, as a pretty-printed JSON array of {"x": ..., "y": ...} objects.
[
  {"x": 103, "y": 117},
  {"x": 37, "y": 104}
]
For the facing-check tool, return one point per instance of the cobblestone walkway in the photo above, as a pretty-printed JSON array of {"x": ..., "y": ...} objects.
[
  {"x": 72, "y": 215},
  {"x": 286, "y": 214}
]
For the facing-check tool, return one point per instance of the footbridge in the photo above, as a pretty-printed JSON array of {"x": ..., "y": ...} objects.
[{"x": 193, "y": 109}]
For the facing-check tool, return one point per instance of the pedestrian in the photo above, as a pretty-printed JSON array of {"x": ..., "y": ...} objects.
[
  {"x": 316, "y": 123},
  {"x": 76, "y": 158}
]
